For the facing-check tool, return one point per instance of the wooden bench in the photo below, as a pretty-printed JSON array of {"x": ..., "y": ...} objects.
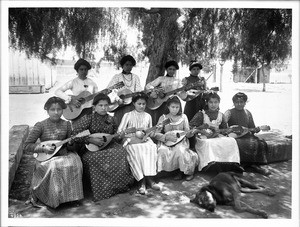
[{"x": 17, "y": 137}]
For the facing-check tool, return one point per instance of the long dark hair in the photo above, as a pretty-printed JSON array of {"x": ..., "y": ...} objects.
[{"x": 171, "y": 100}]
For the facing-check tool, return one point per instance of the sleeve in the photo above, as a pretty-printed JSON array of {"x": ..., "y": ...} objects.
[
  {"x": 223, "y": 123},
  {"x": 153, "y": 83},
  {"x": 82, "y": 124},
  {"x": 184, "y": 81},
  {"x": 186, "y": 126},
  {"x": 182, "y": 94},
  {"x": 251, "y": 121},
  {"x": 30, "y": 143},
  {"x": 95, "y": 88},
  {"x": 124, "y": 123},
  {"x": 197, "y": 120},
  {"x": 227, "y": 115},
  {"x": 159, "y": 135},
  {"x": 60, "y": 92},
  {"x": 204, "y": 82},
  {"x": 138, "y": 86},
  {"x": 69, "y": 129},
  {"x": 113, "y": 81}
]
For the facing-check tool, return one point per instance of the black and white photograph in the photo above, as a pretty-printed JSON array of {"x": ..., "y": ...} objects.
[{"x": 149, "y": 113}]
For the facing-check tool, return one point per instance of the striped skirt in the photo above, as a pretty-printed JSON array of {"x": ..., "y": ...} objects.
[
  {"x": 142, "y": 158},
  {"x": 177, "y": 157},
  {"x": 58, "y": 180}
]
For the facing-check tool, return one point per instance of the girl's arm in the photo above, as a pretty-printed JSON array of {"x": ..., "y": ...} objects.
[
  {"x": 197, "y": 120},
  {"x": 124, "y": 123},
  {"x": 227, "y": 115},
  {"x": 82, "y": 124},
  {"x": 138, "y": 86},
  {"x": 60, "y": 92},
  {"x": 186, "y": 126},
  {"x": 223, "y": 124},
  {"x": 251, "y": 121},
  {"x": 159, "y": 135},
  {"x": 113, "y": 81},
  {"x": 30, "y": 144},
  {"x": 153, "y": 83}
]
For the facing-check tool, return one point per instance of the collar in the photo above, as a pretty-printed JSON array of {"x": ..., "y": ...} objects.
[{"x": 125, "y": 73}]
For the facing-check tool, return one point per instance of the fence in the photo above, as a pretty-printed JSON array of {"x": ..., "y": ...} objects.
[{"x": 29, "y": 75}]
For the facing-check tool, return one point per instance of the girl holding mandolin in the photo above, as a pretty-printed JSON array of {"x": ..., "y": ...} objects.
[
  {"x": 101, "y": 166},
  {"x": 131, "y": 85},
  {"x": 177, "y": 156},
  {"x": 195, "y": 100},
  {"x": 211, "y": 146},
  {"x": 59, "y": 179},
  {"x": 141, "y": 150},
  {"x": 252, "y": 149},
  {"x": 78, "y": 85}
]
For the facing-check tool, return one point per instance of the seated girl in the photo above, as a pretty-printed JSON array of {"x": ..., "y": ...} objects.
[
  {"x": 107, "y": 169},
  {"x": 252, "y": 149},
  {"x": 141, "y": 155},
  {"x": 178, "y": 156},
  {"x": 58, "y": 179},
  {"x": 217, "y": 150}
]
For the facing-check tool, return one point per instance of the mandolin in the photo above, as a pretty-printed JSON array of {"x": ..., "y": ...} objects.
[
  {"x": 142, "y": 135},
  {"x": 57, "y": 144},
  {"x": 198, "y": 92},
  {"x": 237, "y": 131},
  {"x": 107, "y": 138},
  {"x": 154, "y": 103},
  {"x": 85, "y": 98}
]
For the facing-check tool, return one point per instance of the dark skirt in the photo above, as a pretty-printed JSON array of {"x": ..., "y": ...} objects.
[
  {"x": 155, "y": 114},
  {"x": 252, "y": 149},
  {"x": 108, "y": 171},
  {"x": 120, "y": 111},
  {"x": 193, "y": 106}
]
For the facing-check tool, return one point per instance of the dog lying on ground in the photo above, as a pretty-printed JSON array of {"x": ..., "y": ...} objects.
[{"x": 225, "y": 189}]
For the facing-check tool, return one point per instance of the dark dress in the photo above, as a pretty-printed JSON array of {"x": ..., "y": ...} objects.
[
  {"x": 252, "y": 149},
  {"x": 108, "y": 170},
  {"x": 198, "y": 103}
]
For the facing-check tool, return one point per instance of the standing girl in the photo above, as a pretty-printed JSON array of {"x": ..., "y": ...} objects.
[
  {"x": 142, "y": 157},
  {"x": 59, "y": 179},
  {"x": 79, "y": 84},
  {"x": 178, "y": 156},
  {"x": 166, "y": 83},
  {"x": 131, "y": 82},
  {"x": 197, "y": 101},
  {"x": 107, "y": 169},
  {"x": 220, "y": 148}
]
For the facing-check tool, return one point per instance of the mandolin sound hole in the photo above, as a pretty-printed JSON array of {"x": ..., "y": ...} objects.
[
  {"x": 104, "y": 139},
  {"x": 177, "y": 135}
]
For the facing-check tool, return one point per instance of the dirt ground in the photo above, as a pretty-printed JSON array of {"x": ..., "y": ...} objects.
[{"x": 173, "y": 201}]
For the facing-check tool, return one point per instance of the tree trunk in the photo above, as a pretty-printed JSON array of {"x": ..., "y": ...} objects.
[{"x": 164, "y": 45}]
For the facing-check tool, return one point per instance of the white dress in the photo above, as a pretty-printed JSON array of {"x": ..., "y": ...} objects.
[
  {"x": 178, "y": 156},
  {"x": 142, "y": 157},
  {"x": 220, "y": 149}
]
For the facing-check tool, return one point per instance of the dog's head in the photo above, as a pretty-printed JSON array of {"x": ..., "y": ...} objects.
[{"x": 205, "y": 200}]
